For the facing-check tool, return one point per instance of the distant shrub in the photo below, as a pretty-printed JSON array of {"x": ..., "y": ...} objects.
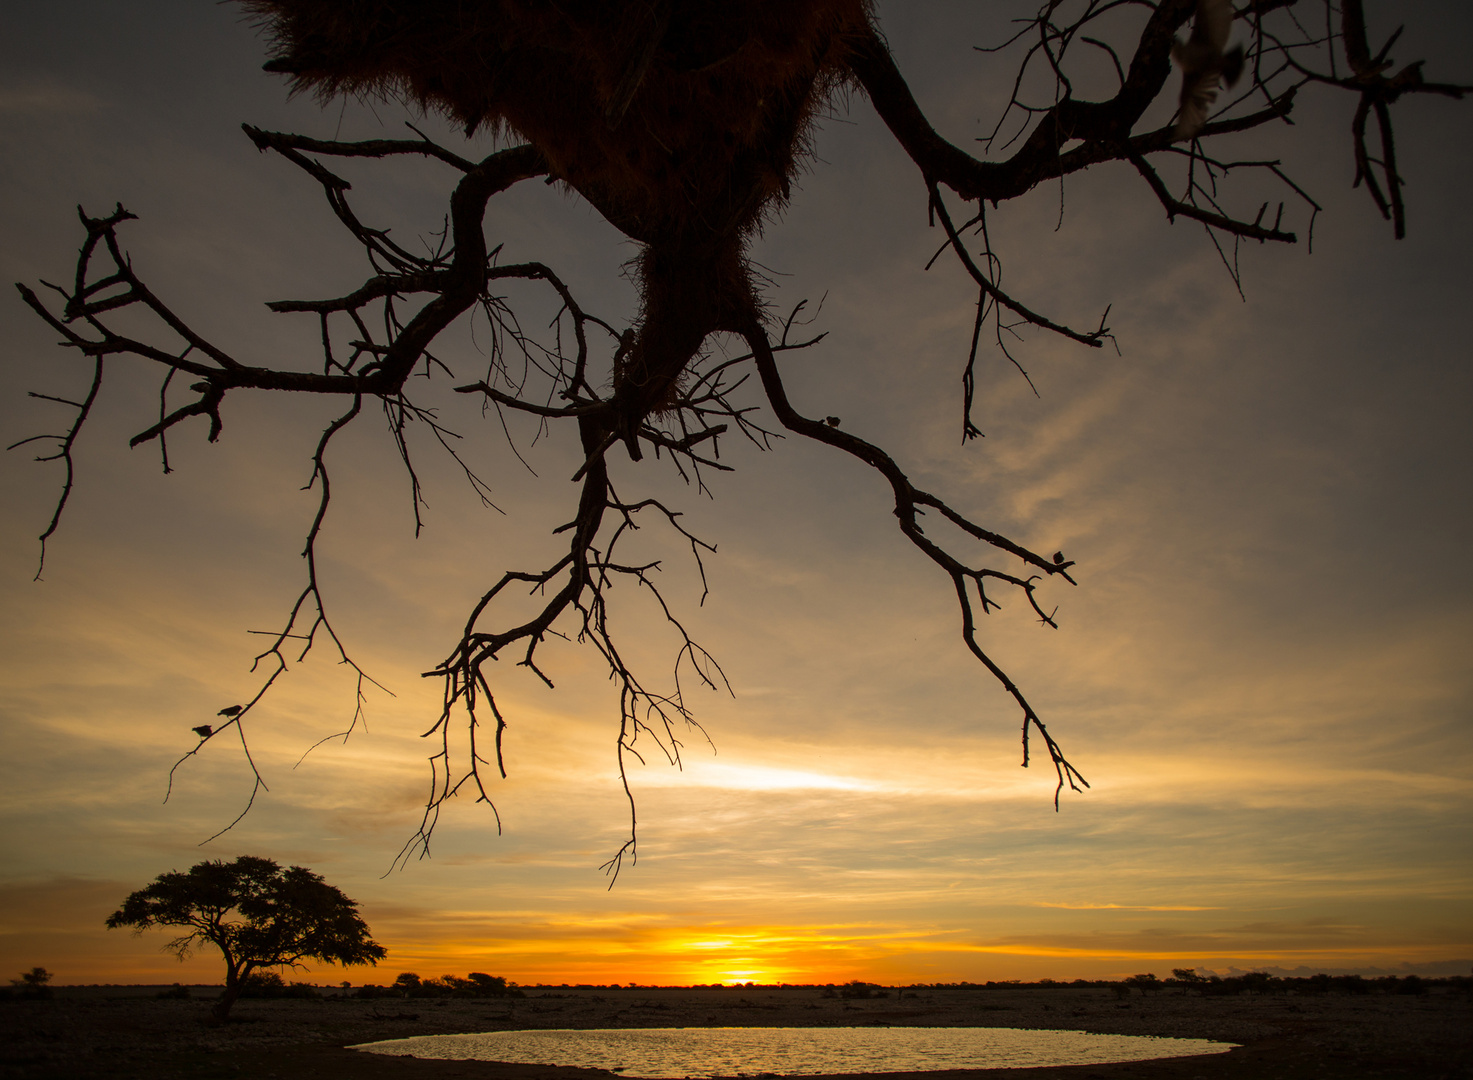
[
  {"x": 269, "y": 984},
  {"x": 1259, "y": 982},
  {"x": 1250, "y": 982},
  {"x": 177, "y": 992},
  {"x": 1146, "y": 983},
  {"x": 485, "y": 985},
  {"x": 31, "y": 986},
  {"x": 1330, "y": 984},
  {"x": 476, "y": 985},
  {"x": 407, "y": 984}
]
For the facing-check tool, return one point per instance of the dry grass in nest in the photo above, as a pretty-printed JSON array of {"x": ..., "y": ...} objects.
[{"x": 675, "y": 118}]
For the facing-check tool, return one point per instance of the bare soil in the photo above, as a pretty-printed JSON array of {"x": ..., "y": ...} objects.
[{"x": 128, "y": 1034}]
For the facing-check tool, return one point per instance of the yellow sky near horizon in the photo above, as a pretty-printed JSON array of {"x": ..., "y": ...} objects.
[{"x": 1264, "y": 672}]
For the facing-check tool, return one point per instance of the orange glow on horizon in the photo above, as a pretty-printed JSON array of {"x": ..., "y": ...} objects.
[
  {"x": 807, "y": 955},
  {"x": 765, "y": 955}
]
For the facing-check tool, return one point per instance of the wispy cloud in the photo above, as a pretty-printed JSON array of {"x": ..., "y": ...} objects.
[
  {"x": 40, "y": 99},
  {"x": 1127, "y": 907},
  {"x": 741, "y": 777}
]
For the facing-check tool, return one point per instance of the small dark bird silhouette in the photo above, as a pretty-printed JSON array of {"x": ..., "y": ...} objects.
[
  {"x": 204, "y": 731},
  {"x": 1204, "y": 65},
  {"x": 831, "y": 421},
  {"x": 233, "y": 710},
  {"x": 1058, "y": 556}
]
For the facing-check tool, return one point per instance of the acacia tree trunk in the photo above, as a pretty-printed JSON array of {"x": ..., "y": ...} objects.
[{"x": 235, "y": 975}]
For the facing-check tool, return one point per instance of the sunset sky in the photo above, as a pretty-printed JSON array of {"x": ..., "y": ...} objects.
[{"x": 1265, "y": 672}]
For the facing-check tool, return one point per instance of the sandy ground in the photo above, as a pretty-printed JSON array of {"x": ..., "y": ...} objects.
[{"x": 87, "y": 1033}]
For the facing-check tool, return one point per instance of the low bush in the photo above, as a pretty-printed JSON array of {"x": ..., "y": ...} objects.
[
  {"x": 269, "y": 984},
  {"x": 31, "y": 986},
  {"x": 476, "y": 985}
]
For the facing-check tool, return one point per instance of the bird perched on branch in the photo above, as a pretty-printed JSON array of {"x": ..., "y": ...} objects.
[
  {"x": 230, "y": 710},
  {"x": 1204, "y": 65},
  {"x": 204, "y": 731}
]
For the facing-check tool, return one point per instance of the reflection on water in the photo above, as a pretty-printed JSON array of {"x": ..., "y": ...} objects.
[{"x": 700, "y": 1052}]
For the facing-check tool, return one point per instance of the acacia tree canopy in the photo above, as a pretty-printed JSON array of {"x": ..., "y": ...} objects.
[
  {"x": 281, "y": 917},
  {"x": 683, "y": 124}
]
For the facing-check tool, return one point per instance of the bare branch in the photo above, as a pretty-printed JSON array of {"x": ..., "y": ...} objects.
[
  {"x": 692, "y": 194},
  {"x": 908, "y": 499}
]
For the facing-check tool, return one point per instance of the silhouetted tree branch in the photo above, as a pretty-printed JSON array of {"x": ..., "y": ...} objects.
[{"x": 682, "y": 123}]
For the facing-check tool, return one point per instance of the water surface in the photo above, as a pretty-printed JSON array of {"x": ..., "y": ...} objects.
[{"x": 701, "y": 1052}]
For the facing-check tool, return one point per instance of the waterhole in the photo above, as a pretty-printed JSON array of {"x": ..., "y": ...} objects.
[{"x": 661, "y": 1053}]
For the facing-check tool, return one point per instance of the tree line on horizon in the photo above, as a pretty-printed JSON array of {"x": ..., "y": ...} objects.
[
  {"x": 34, "y": 985},
  {"x": 1186, "y": 980}
]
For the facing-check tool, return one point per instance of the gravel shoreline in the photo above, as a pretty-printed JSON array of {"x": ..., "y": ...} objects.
[{"x": 124, "y": 1033}]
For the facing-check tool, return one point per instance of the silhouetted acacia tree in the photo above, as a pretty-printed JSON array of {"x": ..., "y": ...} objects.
[
  {"x": 257, "y": 914},
  {"x": 683, "y": 122},
  {"x": 33, "y": 984}
]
